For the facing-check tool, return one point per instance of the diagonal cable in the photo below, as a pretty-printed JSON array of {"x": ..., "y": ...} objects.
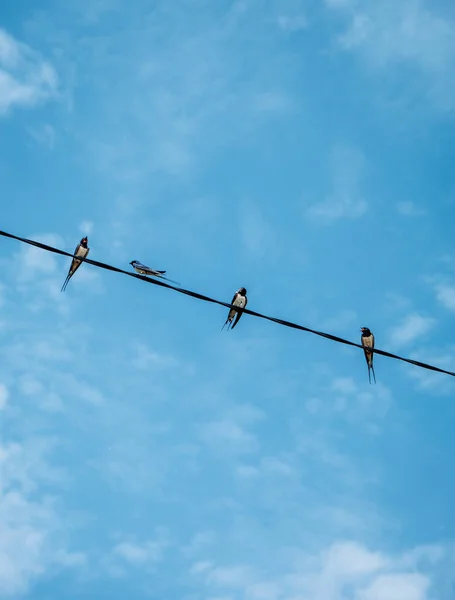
[{"x": 247, "y": 311}]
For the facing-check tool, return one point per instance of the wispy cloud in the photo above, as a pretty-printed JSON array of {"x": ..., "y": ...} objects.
[
  {"x": 293, "y": 23},
  {"x": 4, "y": 394},
  {"x": 25, "y": 78},
  {"x": 258, "y": 236},
  {"x": 44, "y": 135},
  {"x": 139, "y": 554},
  {"x": 413, "y": 327},
  {"x": 346, "y": 201},
  {"x": 228, "y": 436},
  {"x": 445, "y": 294},
  {"x": 341, "y": 321},
  {"x": 429, "y": 381},
  {"x": 31, "y": 538},
  {"x": 408, "y": 586},
  {"x": 86, "y": 227},
  {"x": 407, "y": 32},
  {"x": 409, "y": 209},
  {"x": 193, "y": 93},
  {"x": 147, "y": 359},
  {"x": 33, "y": 262},
  {"x": 344, "y": 565},
  {"x": 345, "y": 385}
]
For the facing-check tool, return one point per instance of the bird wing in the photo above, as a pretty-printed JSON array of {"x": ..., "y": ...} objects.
[
  {"x": 148, "y": 270},
  {"x": 139, "y": 265},
  {"x": 368, "y": 342},
  {"x": 145, "y": 269},
  {"x": 241, "y": 303},
  {"x": 76, "y": 263},
  {"x": 232, "y": 311}
]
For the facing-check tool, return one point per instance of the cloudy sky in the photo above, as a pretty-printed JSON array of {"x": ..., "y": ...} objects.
[{"x": 300, "y": 148}]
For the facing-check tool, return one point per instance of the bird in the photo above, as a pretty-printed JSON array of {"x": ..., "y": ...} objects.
[
  {"x": 239, "y": 300},
  {"x": 148, "y": 272},
  {"x": 82, "y": 251},
  {"x": 367, "y": 340}
]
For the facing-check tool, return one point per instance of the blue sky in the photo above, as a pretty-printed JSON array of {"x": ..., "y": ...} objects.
[{"x": 302, "y": 149}]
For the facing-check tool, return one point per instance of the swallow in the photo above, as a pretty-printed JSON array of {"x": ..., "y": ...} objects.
[
  {"x": 239, "y": 300},
  {"x": 148, "y": 272},
  {"x": 367, "y": 340},
  {"x": 82, "y": 250}
]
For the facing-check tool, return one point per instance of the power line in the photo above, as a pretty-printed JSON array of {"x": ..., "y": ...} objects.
[{"x": 247, "y": 311}]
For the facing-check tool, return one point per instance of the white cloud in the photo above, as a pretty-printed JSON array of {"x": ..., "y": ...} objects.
[
  {"x": 25, "y": 79},
  {"x": 410, "y": 329},
  {"x": 30, "y": 526},
  {"x": 139, "y": 553},
  {"x": 346, "y": 569},
  {"x": 409, "y": 209},
  {"x": 200, "y": 567},
  {"x": 313, "y": 405},
  {"x": 269, "y": 466},
  {"x": 339, "y": 3},
  {"x": 414, "y": 32},
  {"x": 191, "y": 93},
  {"x": 344, "y": 385},
  {"x": 34, "y": 262},
  {"x": 293, "y": 23},
  {"x": 247, "y": 472},
  {"x": 339, "y": 207},
  {"x": 30, "y": 386},
  {"x": 399, "y": 586},
  {"x": 4, "y": 394},
  {"x": 44, "y": 135},
  {"x": 258, "y": 235},
  {"x": 275, "y": 101},
  {"x": 345, "y": 201},
  {"x": 231, "y": 577},
  {"x": 348, "y": 560},
  {"x": 147, "y": 358},
  {"x": 86, "y": 227},
  {"x": 341, "y": 321},
  {"x": 273, "y": 465},
  {"x": 429, "y": 381},
  {"x": 446, "y": 296},
  {"x": 228, "y": 436},
  {"x": 266, "y": 590}
]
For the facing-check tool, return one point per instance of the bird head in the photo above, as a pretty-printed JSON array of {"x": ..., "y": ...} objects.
[
  {"x": 133, "y": 262},
  {"x": 365, "y": 331},
  {"x": 242, "y": 291},
  {"x": 84, "y": 241}
]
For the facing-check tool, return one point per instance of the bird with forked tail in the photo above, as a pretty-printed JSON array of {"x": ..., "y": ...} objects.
[
  {"x": 367, "y": 340},
  {"x": 149, "y": 272},
  {"x": 240, "y": 300},
  {"x": 82, "y": 251}
]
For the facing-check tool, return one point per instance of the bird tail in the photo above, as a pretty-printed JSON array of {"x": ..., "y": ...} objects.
[
  {"x": 65, "y": 283},
  {"x": 237, "y": 319},
  {"x": 374, "y": 376},
  {"x": 170, "y": 280},
  {"x": 226, "y": 323}
]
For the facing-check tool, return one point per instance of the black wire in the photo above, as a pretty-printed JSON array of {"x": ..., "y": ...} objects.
[{"x": 198, "y": 296}]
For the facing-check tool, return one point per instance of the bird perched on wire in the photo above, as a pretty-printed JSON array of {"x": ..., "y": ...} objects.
[
  {"x": 239, "y": 300},
  {"x": 82, "y": 251},
  {"x": 148, "y": 272},
  {"x": 368, "y": 342}
]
